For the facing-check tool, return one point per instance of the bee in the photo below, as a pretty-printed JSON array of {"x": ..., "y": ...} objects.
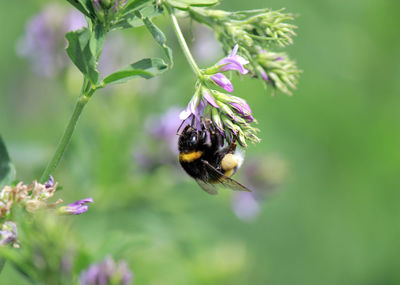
[{"x": 203, "y": 156}]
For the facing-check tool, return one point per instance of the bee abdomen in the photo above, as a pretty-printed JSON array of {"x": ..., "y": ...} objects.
[{"x": 190, "y": 156}]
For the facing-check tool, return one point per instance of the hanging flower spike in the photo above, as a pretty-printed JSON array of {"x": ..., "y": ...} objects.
[
  {"x": 234, "y": 62},
  {"x": 76, "y": 208},
  {"x": 221, "y": 80}
]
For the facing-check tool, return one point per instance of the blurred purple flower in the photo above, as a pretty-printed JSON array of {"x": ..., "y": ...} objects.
[
  {"x": 245, "y": 206},
  {"x": 107, "y": 272},
  {"x": 162, "y": 149},
  {"x": 221, "y": 80},
  {"x": 76, "y": 208},
  {"x": 8, "y": 233},
  {"x": 43, "y": 43},
  {"x": 164, "y": 128},
  {"x": 234, "y": 62},
  {"x": 204, "y": 42}
]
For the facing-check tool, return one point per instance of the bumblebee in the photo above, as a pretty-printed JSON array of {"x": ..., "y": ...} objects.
[{"x": 203, "y": 156}]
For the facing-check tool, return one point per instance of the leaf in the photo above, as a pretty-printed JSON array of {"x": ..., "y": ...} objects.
[
  {"x": 159, "y": 36},
  {"x": 184, "y": 4},
  {"x": 146, "y": 68},
  {"x": 83, "y": 47},
  {"x": 132, "y": 21},
  {"x": 7, "y": 170},
  {"x": 134, "y": 5},
  {"x": 80, "y": 6}
]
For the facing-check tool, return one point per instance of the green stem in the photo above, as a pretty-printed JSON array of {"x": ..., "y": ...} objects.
[
  {"x": 66, "y": 137},
  {"x": 2, "y": 263},
  {"x": 183, "y": 43}
]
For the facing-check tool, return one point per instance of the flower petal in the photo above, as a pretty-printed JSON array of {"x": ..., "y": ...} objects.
[
  {"x": 234, "y": 50},
  {"x": 264, "y": 75},
  {"x": 221, "y": 80},
  {"x": 185, "y": 114},
  {"x": 210, "y": 99}
]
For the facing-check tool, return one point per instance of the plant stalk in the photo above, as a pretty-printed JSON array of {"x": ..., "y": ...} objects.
[
  {"x": 69, "y": 130},
  {"x": 183, "y": 43}
]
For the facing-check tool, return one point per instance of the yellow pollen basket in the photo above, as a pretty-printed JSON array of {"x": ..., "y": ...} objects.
[{"x": 229, "y": 162}]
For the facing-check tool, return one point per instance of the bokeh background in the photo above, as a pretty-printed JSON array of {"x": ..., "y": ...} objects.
[{"x": 329, "y": 159}]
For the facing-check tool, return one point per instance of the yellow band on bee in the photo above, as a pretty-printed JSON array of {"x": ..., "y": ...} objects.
[{"x": 190, "y": 156}]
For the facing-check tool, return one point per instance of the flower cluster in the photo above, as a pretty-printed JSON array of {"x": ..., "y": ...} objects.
[
  {"x": 257, "y": 32},
  {"x": 106, "y": 10},
  {"x": 107, "y": 272},
  {"x": 34, "y": 197},
  {"x": 31, "y": 198},
  {"x": 230, "y": 114},
  {"x": 278, "y": 70}
]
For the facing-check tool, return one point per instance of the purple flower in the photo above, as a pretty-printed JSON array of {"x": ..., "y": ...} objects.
[
  {"x": 245, "y": 206},
  {"x": 221, "y": 80},
  {"x": 107, "y": 272},
  {"x": 210, "y": 99},
  {"x": 49, "y": 183},
  {"x": 196, "y": 106},
  {"x": 76, "y": 208},
  {"x": 241, "y": 106},
  {"x": 43, "y": 42},
  {"x": 163, "y": 128},
  {"x": 8, "y": 233},
  {"x": 234, "y": 62}
]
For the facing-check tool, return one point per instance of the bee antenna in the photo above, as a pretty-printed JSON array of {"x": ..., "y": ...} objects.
[{"x": 180, "y": 126}]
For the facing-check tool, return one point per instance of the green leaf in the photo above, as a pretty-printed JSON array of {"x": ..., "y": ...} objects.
[
  {"x": 131, "y": 20},
  {"x": 7, "y": 170},
  {"x": 184, "y": 4},
  {"x": 134, "y": 5},
  {"x": 80, "y": 6},
  {"x": 83, "y": 47},
  {"x": 146, "y": 68},
  {"x": 158, "y": 35}
]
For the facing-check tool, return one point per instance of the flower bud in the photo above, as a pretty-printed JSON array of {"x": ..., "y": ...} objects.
[
  {"x": 75, "y": 208},
  {"x": 217, "y": 119}
]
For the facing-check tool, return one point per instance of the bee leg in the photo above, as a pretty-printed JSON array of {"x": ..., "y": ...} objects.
[
  {"x": 232, "y": 147},
  {"x": 192, "y": 123},
  {"x": 217, "y": 140}
]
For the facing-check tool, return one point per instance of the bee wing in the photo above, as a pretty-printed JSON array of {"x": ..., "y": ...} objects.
[
  {"x": 226, "y": 181},
  {"x": 209, "y": 188}
]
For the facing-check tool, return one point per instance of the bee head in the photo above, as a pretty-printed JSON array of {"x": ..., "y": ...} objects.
[{"x": 191, "y": 139}]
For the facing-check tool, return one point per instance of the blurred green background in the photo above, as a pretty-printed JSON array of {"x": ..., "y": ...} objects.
[{"x": 334, "y": 219}]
